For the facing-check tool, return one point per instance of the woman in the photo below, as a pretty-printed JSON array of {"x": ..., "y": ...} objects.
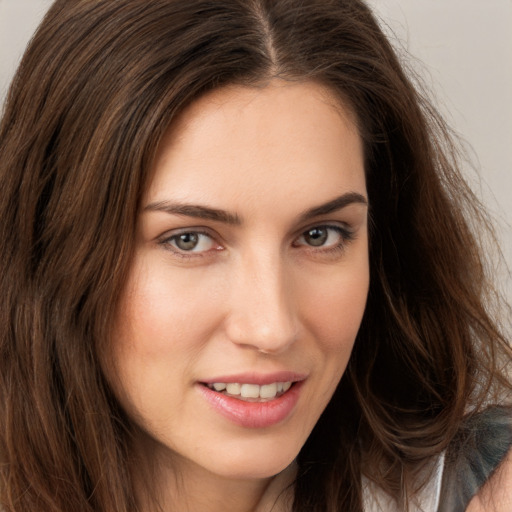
[{"x": 239, "y": 270}]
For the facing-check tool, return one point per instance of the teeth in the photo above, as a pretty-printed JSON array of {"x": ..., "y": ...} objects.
[
  {"x": 252, "y": 390},
  {"x": 233, "y": 388},
  {"x": 268, "y": 390}
]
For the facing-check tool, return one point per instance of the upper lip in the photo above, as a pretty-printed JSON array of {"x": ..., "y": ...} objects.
[{"x": 257, "y": 378}]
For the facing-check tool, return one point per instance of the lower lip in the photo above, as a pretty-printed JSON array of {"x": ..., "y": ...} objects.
[{"x": 253, "y": 414}]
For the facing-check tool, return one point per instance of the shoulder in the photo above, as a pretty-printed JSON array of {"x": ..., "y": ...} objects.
[
  {"x": 478, "y": 469},
  {"x": 496, "y": 494}
]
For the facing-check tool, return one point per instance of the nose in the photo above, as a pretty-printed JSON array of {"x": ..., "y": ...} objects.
[{"x": 262, "y": 311}]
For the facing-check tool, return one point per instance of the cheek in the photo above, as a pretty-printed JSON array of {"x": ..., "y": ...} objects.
[
  {"x": 156, "y": 337},
  {"x": 159, "y": 314},
  {"x": 335, "y": 308}
]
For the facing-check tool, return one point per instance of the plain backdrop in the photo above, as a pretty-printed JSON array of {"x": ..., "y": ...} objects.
[{"x": 462, "y": 49}]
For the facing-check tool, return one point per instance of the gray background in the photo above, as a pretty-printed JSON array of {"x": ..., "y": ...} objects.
[{"x": 464, "y": 52}]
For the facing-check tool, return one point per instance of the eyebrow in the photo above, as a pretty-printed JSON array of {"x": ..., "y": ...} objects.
[
  {"x": 218, "y": 215},
  {"x": 196, "y": 211},
  {"x": 334, "y": 205}
]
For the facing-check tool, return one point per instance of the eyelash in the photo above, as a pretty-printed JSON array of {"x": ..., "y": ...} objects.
[
  {"x": 181, "y": 253},
  {"x": 346, "y": 236}
]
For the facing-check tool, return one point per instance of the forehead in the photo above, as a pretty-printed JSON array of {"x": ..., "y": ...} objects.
[{"x": 282, "y": 142}]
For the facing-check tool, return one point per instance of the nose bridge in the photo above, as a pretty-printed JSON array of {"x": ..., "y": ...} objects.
[{"x": 262, "y": 312}]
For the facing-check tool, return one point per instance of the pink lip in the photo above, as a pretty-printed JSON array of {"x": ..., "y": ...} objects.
[{"x": 253, "y": 414}]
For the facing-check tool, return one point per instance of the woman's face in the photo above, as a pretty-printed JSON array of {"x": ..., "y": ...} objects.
[{"x": 249, "y": 279}]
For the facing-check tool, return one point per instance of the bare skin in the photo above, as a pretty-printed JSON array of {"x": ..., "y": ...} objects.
[{"x": 202, "y": 491}]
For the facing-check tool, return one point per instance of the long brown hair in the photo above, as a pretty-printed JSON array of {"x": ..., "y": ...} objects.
[{"x": 98, "y": 86}]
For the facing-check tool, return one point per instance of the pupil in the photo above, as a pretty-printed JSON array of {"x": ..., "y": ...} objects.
[
  {"x": 316, "y": 237},
  {"x": 187, "y": 241}
]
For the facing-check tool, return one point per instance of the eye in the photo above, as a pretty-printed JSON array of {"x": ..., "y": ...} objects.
[
  {"x": 327, "y": 237},
  {"x": 190, "y": 242}
]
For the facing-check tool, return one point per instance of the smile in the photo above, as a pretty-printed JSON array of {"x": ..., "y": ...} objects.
[
  {"x": 254, "y": 401},
  {"x": 251, "y": 392}
]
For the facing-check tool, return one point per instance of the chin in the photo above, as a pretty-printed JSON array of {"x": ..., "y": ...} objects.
[{"x": 253, "y": 462}]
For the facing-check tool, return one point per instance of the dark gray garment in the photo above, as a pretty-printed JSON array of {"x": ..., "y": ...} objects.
[{"x": 482, "y": 443}]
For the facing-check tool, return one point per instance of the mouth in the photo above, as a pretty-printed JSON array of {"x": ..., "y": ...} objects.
[
  {"x": 252, "y": 401},
  {"x": 251, "y": 392}
]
